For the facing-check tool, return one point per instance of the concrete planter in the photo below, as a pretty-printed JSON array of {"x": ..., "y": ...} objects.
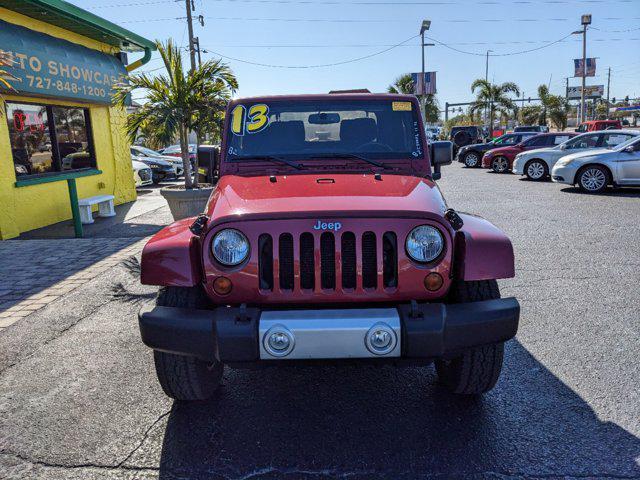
[{"x": 186, "y": 203}]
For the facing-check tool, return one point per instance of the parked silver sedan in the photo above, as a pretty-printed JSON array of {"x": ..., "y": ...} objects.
[{"x": 594, "y": 170}]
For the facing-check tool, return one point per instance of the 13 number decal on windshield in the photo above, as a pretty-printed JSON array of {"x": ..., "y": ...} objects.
[{"x": 251, "y": 120}]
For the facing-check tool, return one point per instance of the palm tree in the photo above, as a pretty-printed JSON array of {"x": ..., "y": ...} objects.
[
  {"x": 555, "y": 108},
  {"x": 404, "y": 84},
  {"x": 530, "y": 114},
  {"x": 6, "y": 60},
  {"x": 176, "y": 99},
  {"x": 494, "y": 98}
]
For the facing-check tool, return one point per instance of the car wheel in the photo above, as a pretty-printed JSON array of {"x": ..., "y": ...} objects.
[
  {"x": 593, "y": 179},
  {"x": 181, "y": 377},
  {"x": 536, "y": 170},
  {"x": 476, "y": 370},
  {"x": 471, "y": 159},
  {"x": 500, "y": 164}
]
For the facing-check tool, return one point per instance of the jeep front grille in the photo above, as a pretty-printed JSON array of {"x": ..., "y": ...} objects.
[{"x": 328, "y": 261}]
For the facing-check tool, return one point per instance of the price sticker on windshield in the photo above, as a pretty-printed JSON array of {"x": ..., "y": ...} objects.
[
  {"x": 249, "y": 120},
  {"x": 401, "y": 106}
]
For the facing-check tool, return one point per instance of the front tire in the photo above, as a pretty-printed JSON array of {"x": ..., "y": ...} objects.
[
  {"x": 593, "y": 179},
  {"x": 182, "y": 377},
  {"x": 476, "y": 370},
  {"x": 471, "y": 160},
  {"x": 536, "y": 170},
  {"x": 500, "y": 164}
]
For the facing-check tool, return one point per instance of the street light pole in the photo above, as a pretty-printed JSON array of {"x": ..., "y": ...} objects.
[
  {"x": 586, "y": 20},
  {"x": 486, "y": 79},
  {"x": 426, "y": 24}
]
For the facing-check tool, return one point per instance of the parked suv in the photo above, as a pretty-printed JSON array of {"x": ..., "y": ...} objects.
[
  {"x": 326, "y": 238},
  {"x": 537, "y": 164},
  {"x": 462, "y": 136},
  {"x": 595, "y": 125},
  {"x": 532, "y": 128},
  {"x": 471, "y": 155},
  {"x": 501, "y": 159}
]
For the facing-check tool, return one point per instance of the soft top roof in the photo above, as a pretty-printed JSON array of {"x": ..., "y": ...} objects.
[{"x": 329, "y": 97}]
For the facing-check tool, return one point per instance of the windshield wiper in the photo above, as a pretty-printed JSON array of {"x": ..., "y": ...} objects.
[
  {"x": 353, "y": 155},
  {"x": 272, "y": 158}
]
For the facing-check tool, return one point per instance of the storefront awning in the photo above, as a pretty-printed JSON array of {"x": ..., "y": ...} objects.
[{"x": 77, "y": 20}]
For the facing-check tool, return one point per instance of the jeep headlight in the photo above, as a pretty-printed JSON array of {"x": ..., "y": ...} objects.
[
  {"x": 424, "y": 243},
  {"x": 230, "y": 247}
]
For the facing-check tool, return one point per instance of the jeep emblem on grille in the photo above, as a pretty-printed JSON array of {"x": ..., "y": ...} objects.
[{"x": 335, "y": 226}]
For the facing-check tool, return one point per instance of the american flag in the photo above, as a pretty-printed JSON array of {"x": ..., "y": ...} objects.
[
  {"x": 429, "y": 83},
  {"x": 591, "y": 67}
]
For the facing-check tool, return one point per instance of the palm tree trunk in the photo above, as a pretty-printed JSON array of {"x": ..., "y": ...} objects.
[{"x": 186, "y": 163}]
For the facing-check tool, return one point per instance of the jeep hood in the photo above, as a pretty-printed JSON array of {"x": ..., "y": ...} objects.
[{"x": 321, "y": 195}]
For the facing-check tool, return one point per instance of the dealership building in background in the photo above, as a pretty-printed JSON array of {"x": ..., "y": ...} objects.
[{"x": 58, "y": 130}]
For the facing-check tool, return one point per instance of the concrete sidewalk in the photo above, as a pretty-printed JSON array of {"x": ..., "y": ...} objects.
[{"x": 45, "y": 264}]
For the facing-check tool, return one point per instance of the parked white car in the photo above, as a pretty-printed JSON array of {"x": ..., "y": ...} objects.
[
  {"x": 537, "y": 164},
  {"x": 142, "y": 174},
  {"x": 143, "y": 152},
  {"x": 594, "y": 170}
]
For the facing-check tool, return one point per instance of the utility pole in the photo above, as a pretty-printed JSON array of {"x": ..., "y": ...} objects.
[
  {"x": 608, "y": 87},
  {"x": 192, "y": 50},
  {"x": 566, "y": 89},
  {"x": 486, "y": 79}
]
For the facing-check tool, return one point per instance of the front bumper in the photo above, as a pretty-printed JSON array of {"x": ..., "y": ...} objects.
[
  {"x": 564, "y": 174},
  {"x": 518, "y": 166},
  {"x": 236, "y": 335}
]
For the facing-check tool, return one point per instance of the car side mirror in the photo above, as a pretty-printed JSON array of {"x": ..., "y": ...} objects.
[
  {"x": 630, "y": 149},
  {"x": 441, "y": 153}
]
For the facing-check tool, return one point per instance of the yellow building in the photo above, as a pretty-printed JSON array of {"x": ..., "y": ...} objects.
[{"x": 59, "y": 134}]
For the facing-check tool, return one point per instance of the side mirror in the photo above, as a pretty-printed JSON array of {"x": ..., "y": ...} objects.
[
  {"x": 630, "y": 149},
  {"x": 441, "y": 153},
  {"x": 562, "y": 147}
]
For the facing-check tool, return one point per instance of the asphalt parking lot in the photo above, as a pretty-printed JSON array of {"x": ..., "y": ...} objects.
[{"x": 79, "y": 398}]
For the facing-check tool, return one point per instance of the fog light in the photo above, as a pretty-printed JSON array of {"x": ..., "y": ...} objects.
[
  {"x": 433, "y": 281},
  {"x": 222, "y": 286},
  {"x": 278, "y": 341},
  {"x": 380, "y": 339}
]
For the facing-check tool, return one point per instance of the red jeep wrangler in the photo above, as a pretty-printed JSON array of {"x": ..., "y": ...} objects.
[{"x": 327, "y": 238}]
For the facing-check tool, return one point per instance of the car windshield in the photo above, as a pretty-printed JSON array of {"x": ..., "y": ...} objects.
[
  {"x": 176, "y": 149},
  {"x": 319, "y": 129},
  {"x": 146, "y": 151}
]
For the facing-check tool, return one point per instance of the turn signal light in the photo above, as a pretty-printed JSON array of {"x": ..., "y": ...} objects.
[
  {"x": 433, "y": 281},
  {"x": 222, "y": 286}
]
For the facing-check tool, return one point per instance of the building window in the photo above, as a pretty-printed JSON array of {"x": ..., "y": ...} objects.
[{"x": 47, "y": 139}]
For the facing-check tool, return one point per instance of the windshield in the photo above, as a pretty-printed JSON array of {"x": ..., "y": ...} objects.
[
  {"x": 145, "y": 150},
  {"x": 176, "y": 149},
  {"x": 372, "y": 129}
]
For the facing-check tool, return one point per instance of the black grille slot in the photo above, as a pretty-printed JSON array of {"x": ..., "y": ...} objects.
[
  {"x": 265, "y": 261},
  {"x": 328, "y": 261},
  {"x": 369, "y": 261},
  {"x": 286, "y": 261},
  {"x": 390, "y": 260},
  {"x": 349, "y": 270},
  {"x": 307, "y": 263}
]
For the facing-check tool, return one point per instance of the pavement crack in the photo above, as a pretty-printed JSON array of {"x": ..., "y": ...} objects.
[
  {"x": 57, "y": 335},
  {"x": 144, "y": 437},
  {"x": 99, "y": 466}
]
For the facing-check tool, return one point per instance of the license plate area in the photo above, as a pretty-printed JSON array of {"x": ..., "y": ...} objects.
[{"x": 329, "y": 334}]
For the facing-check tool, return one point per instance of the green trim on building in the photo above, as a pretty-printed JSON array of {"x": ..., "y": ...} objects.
[
  {"x": 57, "y": 177},
  {"x": 77, "y": 20}
]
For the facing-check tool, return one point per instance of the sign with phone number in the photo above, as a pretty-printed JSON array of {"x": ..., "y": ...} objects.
[{"x": 47, "y": 66}]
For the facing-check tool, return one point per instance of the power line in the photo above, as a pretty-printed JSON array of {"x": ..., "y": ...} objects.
[
  {"x": 313, "y": 66},
  {"x": 614, "y": 31},
  {"x": 433, "y": 3}
]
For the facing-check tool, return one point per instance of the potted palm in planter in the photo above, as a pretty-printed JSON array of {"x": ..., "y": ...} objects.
[{"x": 175, "y": 104}]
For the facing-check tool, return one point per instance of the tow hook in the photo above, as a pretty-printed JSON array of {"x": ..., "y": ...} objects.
[
  {"x": 198, "y": 225},
  {"x": 454, "y": 219}
]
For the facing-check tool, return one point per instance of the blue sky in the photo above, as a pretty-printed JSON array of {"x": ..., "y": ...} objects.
[{"x": 308, "y": 32}]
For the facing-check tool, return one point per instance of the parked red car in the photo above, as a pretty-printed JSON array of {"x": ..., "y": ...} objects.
[
  {"x": 501, "y": 159},
  {"x": 327, "y": 239}
]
